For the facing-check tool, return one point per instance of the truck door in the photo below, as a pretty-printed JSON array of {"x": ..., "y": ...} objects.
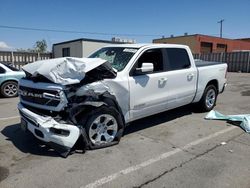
[
  {"x": 148, "y": 94},
  {"x": 181, "y": 77}
]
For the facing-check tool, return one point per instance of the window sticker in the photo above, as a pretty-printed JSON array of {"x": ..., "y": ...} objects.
[{"x": 131, "y": 50}]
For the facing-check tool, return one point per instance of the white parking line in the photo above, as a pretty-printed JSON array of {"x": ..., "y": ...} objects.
[
  {"x": 153, "y": 160},
  {"x": 8, "y": 118}
]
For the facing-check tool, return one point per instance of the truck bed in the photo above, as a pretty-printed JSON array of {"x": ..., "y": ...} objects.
[
  {"x": 201, "y": 63},
  {"x": 208, "y": 71}
]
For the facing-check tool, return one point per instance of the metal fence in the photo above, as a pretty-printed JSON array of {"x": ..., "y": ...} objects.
[
  {"x": 236, "y": 61},
  {"x": 18, "y": 59}
]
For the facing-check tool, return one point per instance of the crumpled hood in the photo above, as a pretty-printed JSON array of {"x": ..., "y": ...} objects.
[{"x": 65, "y": 71}]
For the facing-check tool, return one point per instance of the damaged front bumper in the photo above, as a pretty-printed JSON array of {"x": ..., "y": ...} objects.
[{"x": 61, "y": 137}]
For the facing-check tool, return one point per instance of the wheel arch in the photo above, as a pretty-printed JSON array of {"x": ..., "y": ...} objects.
[
  {"x": 213, "y": 82},
  {"x": 85, "y": 108},
  {"x": 82, "y": 112},
  {"x": 8, "y": 80}
]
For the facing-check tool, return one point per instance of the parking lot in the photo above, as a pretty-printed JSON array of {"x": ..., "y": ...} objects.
[{"x": 178, "y": 148}]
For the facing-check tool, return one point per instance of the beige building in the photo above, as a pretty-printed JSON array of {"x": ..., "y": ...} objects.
[{"x": 79, "y": 48}]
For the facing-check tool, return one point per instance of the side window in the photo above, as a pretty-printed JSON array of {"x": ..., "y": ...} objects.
[
  {"x": 152, "y": 56},
  {"x": 177, "y": 59},
  {"x": 2, "y": 70}
]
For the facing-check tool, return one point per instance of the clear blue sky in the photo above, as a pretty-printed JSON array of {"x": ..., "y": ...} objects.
[{"x": 139, "y": 17}]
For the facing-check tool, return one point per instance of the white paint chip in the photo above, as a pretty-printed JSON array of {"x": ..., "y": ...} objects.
[{"x": 223, "y": 143}]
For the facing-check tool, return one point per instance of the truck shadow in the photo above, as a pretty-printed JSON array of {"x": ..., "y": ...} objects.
[
  {"x": 157, "y": 119},
  {"x": 26, "y": 142}
]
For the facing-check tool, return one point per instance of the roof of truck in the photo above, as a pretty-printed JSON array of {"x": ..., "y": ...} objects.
[{"x": 140, "y": 45}]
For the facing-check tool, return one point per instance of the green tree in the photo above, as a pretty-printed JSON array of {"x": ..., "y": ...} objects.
[{"x": 40, "y": 46}]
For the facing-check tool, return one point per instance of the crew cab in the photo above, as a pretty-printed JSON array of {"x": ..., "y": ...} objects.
[{"x": 68, "y": 100}]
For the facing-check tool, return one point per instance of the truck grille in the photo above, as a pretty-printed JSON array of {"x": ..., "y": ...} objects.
[{"x": 38, "y": 96}]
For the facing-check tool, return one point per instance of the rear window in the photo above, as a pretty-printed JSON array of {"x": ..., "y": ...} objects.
[{"x": 177, "y": 59}]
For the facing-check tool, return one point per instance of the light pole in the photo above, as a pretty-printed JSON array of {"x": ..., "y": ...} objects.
[{"x": 220, "y": 22}]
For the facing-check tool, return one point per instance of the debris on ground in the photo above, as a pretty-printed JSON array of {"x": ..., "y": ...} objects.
[
  {"x": 223, "y": 143},
  {"x": 243, "y": 119}
]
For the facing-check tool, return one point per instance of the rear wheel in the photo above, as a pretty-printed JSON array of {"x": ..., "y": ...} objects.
[
  {"x": 9, "y": 89},
  {"x": 208, "y": 100}
]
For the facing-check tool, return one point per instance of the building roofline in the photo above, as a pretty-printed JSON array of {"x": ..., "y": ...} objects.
[
  {"x": 194, "y": 35},
  {"x": 88, "y": 40},
  {"x": 243, "y": 39},
  {"x": 175, "y": 37}
]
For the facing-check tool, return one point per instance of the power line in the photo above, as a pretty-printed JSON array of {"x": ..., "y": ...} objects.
[{"x": 77, "y": 32}]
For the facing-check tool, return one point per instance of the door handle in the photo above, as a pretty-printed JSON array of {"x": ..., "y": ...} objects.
[
  {"x": 163, "y": 79},
  {"x": 190, "y": 77},
  {"x": 162, "y": 82}
]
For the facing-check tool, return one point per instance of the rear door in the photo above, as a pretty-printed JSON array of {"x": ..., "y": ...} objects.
[{"x": 181, "y": 77}]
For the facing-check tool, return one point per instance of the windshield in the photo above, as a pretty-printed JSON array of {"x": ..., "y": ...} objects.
[{"x": 118, "y": 57}]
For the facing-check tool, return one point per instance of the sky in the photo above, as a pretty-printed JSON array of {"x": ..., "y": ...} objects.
[{"x": 142, "y": 20}]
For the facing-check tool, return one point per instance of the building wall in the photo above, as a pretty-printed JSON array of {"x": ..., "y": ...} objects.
[
  {"x": 207, "y": 44},
  {"x": 75, "y": 49},
  {"x": 186, "y": 40},
  {"x": 232, "y": 45},
  {"x": 79, "y": 48},
  {"x": 88, "y": 47}
]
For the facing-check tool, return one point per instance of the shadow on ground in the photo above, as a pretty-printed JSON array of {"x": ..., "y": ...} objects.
[
  {"x": 157, "y": 119},
  {"x": 26, "y": 142}
]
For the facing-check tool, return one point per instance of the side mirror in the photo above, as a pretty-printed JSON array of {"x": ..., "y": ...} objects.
[{"x": 145, "y": 68}]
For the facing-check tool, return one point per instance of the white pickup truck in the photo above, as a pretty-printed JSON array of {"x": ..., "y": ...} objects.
[{"x": 69, "y": 100}]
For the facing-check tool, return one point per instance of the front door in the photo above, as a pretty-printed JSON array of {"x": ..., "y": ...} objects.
[{"x": 148, "y": 93}]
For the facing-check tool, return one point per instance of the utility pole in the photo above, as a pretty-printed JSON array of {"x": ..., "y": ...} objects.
[{"x": 220, "y": 22}]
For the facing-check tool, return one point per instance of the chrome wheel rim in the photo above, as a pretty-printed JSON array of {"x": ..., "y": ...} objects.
[
  {"x": 103, "y": 129},
  {"x": 10, "y": 90},
  {"x": 210, "y": 98}
]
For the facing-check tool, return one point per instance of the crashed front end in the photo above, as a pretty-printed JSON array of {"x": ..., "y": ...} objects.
[{"x": 54, "y": 97}]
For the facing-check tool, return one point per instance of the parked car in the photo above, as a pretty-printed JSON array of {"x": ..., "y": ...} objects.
[
  {"x": 9, "y": 77},
  {"x": 66, "y": 100}
]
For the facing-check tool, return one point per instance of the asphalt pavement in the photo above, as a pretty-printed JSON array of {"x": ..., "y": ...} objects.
[{"x": 178, "y": 148}]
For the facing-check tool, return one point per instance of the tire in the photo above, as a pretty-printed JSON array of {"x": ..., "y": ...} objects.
[
  {"x": 9, "y": 89},
  {"x": 208, "y": 100},
  {"x": 104, "y": 127}
]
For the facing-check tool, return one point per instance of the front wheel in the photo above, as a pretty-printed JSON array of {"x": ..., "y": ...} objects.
[
  {"x": 208, "y": 100},
  {"x": 104, "y": 127},
  {"x": 9, "y": 89}
]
